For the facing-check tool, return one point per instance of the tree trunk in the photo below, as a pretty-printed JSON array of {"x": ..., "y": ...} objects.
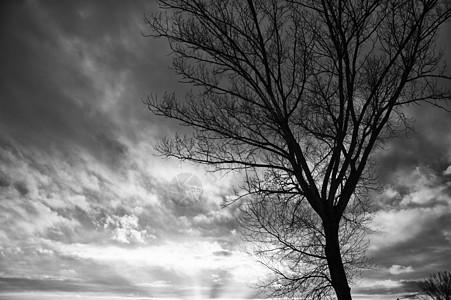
[{"x": 335, "y": 263}]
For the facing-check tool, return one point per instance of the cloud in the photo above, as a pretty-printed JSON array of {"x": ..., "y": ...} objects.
[
  {"x": 223, "y": 253},
  {"x": 84, "y": 201},
  {"x": 126, "y": 229},
  {"x": 44, "y": 251},
  {"x": 447, "y": 234},
  {"x": 413, "y": 205},
  {"x": 447, "y": 171},
  {"x": 409, "y": 238},
  {"x": 83, "y": 198},
  {"x": 397, "y": 269},
  {"x": 379, "y": 284},
  {"x": 81, "y": 215},
  {"x": 396, "y": 226},
  {"x": 67, "y": 77},
  {"x": 384, "y": 289},
  {"x": 157, "y": 283},
  {"x": 8, "y": 284}
]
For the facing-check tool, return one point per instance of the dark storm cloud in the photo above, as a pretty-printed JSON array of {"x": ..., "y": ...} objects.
[
  {"x": 429, "y": 141},
  {"x": 426, "y": 252},
  {"x": 74, "y": 73},
  {"x": 36, "y": 75},
  {"x": 416, "y": 204},
  {"x": 429, "y": 144}
]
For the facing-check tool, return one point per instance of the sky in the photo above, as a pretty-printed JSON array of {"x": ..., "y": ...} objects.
[{"x": 87, "y": 208}]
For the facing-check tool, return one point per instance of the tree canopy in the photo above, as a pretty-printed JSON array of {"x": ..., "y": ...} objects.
[{"x": 298, "y": 95}]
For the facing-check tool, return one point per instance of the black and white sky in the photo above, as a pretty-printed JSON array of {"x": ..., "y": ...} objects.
[{"x": 84, "y": 208}]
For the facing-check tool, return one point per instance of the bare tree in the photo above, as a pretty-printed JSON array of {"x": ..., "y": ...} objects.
[
  {"x": 300, "y": 93},
  {"x": 287, "y": 237},
  {"x": 437, "y": 286}
]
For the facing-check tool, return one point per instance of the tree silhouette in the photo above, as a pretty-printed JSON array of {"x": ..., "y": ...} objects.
[
  {"x": 287, "y": 237},
  {"x": 437, "y": 286},
  {"x": 299, "y": 94}
]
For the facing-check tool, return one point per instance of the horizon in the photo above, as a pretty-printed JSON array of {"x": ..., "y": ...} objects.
[{"x": 62, "y": 296}]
